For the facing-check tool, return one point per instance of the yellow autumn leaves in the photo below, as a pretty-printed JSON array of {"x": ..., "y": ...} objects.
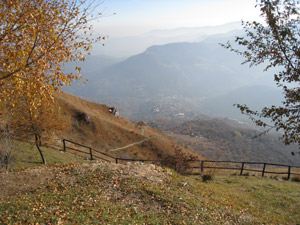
[{"x": 37, "y": 37}]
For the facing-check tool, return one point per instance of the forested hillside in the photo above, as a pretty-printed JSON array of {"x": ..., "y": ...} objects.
[{"x": 221, "y": 139}]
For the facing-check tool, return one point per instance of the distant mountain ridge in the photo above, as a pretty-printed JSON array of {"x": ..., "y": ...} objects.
[
  {"x": 199, "y": 75},
  {"x": 133, "y": 45},
  {"x": 188, "y": 69}
]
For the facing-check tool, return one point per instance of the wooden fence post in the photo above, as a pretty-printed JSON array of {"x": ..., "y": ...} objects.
[
  {"x": 64, "y": 144},
  {"x": 242, "y": 168},
  {"x": 289, "y": 173},
  {"x": 201, "y": 167},
  {"x": 91, "y": 153},
  {"x": 263, "y": 171}
]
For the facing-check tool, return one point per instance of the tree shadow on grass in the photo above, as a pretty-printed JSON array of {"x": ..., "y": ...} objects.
[{"x": 30, "y": 162}]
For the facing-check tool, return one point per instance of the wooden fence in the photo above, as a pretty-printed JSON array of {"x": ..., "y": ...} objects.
[
  {"x": 200, "y": 165},
  {"x": 241, "y": 167},
  {"x": 96, "y": 154}
]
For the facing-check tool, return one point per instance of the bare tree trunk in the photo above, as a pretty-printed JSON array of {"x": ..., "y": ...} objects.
[{"x": 37, "y": 144}]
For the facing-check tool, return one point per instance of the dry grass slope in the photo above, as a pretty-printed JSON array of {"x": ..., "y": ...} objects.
[{"x": 105, "y": 132}]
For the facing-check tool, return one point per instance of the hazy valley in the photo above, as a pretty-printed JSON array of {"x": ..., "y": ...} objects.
[
  {"x": 195, "y": 75},
  {"x": 188, "y": 81}
]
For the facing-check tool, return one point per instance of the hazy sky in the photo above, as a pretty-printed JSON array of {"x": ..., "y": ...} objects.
[{"x": 139, "y": 16}]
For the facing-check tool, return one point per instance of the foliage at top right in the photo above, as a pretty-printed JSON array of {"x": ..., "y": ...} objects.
[{"x": 275, "y": 43}]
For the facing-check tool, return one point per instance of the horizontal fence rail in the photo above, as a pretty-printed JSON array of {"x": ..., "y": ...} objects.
[
  {"x": 201, "y": 164},
  {"x": 242, "y": 167},
  {"x": 91, "y": 152}
]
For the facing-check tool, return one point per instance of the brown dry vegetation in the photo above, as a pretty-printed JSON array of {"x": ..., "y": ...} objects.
[{"x": 104, "y": 132}]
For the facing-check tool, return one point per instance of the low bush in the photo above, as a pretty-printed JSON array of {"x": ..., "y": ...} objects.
[
  {"x": 296, "y": 179},
  {"x": 179, "y": 161},
  {"x": 207, "y": 177}
]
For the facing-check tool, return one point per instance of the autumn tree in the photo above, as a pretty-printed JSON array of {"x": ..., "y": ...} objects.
[
  {"x": 43, "y": 122},
  {"x": 37, "y": 37},
  {"x": 275, "y": 43}
]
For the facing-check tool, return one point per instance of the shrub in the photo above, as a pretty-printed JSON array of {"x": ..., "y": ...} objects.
[
  {"x": 207, "y": 177},
  {"x": 179, "y": 161},
  {"x": 296, "y": 179},
  {"x": 81, "y": 116}
]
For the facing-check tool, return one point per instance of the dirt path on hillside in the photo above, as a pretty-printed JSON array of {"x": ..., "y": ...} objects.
[{"x": 130, "y": 145}]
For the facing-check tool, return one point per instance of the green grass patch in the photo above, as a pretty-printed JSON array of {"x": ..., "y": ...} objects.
[
  {"x": 26, "y": 155},
  {"x": 104, "y": 196},
  {"x": 257, "y": 200}
]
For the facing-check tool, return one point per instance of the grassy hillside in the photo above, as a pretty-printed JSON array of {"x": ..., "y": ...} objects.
[
  {"x": 105, "y": 132},
  {"x": 106, "y": 193},
  {"x": 25, "y": 155},
  {"x": 93, "y": 125}
]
